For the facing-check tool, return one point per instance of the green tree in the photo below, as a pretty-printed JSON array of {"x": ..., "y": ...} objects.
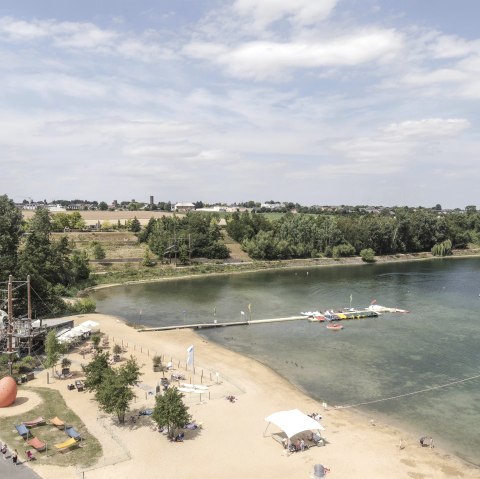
[
  {"x": 135, "y": 225},
  {"x": 53, "y": 350},
  {"x": 47, "y": 264},
  {"x": 442, "y": 249},
  {"x": 115, "y": 392},
  {"x": 102, "y": 206},
  {"x": 80, "y": 266},
  {"x": 96, "y": 370},
  {"x": 10, "y": 232},
  {"x": 171, "y": 412},
  {"x": 368, "y": 255},
  {"x": 98, "y": 251}
]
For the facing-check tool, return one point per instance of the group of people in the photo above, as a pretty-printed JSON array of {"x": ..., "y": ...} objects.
[
  {"x": 14, "y": 455},
  {"x": 299, "y": 445},
  {"x": 426, "y": 441},
  {"x": 315, "y": 416}
]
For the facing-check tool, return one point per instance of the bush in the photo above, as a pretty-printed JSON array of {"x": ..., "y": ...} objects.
[
  {"x": 98, "y": 251},
  {"x": 343, "y": 250},
  {"x": 82, "y": 306},
  {"x": 442, "y": 249},
  {"x": 368, "y": 255}
]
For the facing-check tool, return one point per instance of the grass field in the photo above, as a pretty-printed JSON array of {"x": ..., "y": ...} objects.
[{"x": 51, "y": 406}]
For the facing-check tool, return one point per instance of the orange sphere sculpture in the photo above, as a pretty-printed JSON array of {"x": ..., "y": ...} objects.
[{"x": 8, "y": 391}]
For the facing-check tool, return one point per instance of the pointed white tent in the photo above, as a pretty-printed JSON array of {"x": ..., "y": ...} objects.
[{"x": 293, "y": 422}]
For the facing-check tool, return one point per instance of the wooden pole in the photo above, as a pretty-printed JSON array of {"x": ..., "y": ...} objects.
[
  {"x": 29, "y": 316},
  {"x": 10, "y": 324}
]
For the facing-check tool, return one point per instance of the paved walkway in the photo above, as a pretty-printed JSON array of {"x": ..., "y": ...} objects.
[{"x": 20, "y": 471}]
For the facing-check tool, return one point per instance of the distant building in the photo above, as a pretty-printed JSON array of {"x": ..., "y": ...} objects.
[
  {"x": 183, "y": 207},
  {"x": 272, "y": 206},
  {"x": 53, "y": 208}
]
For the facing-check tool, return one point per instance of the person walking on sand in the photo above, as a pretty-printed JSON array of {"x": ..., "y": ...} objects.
[{"x": 15, "y": 457}]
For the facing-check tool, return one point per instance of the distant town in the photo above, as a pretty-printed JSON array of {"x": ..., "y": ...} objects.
[{"x": 184, "y": 207}]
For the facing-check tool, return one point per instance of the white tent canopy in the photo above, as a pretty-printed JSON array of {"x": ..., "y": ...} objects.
[
  {"x": 293, "y": 422},
  {"x": 91, "y": 325}
]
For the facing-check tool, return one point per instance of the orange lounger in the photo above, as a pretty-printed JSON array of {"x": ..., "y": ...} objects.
[
  {"x": 57, "y": 422},
  {"x": 66, "y": 444},
  {"x": 37, "y": 444}
]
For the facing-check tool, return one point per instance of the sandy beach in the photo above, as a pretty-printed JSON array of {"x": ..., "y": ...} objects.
[{"x": 234, "y": 440}]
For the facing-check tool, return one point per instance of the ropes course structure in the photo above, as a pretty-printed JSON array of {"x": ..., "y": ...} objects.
[{"x": 420, "y": 391}]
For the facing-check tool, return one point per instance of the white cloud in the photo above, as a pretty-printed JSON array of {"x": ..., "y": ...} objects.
[
  {"x": 302, "y": 12},
  {"x": 58, "y": 84},
  {"x": 450, "y": 46},
  {"x": 429, "y": 127},
  {"x": 262, "y": 59},
  {"x": 398, "y": 145}
]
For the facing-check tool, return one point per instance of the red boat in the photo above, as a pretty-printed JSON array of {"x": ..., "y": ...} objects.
[{"x": 334, "y": 326}]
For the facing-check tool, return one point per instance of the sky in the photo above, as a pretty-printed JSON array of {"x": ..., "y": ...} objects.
[{"x": 325, "y": 102}]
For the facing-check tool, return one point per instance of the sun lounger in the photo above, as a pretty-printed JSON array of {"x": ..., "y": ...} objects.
[
  {"x": 22, "y": 430},
  {"x": 35, "y": 422},
  {"x": 73, "y": 433},
  {"x": 145, "y": 412},
  {"x": 66, "y": 444},
  {"x": 57, "y": 422},
  {"x": 192, "y": 425},
  {"x": 36, "y": 443}
]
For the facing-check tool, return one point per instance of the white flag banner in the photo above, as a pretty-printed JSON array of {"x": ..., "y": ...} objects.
[{"x": 190, "y": 355}]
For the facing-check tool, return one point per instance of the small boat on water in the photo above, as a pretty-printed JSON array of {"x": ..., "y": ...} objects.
[{"x": 334, "y": 326}]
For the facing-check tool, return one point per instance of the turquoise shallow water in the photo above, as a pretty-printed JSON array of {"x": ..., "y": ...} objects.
[{"x": 370, "y": 359}]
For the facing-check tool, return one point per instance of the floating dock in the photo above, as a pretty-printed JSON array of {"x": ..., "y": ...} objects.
[{"x": 222, "y": 325}]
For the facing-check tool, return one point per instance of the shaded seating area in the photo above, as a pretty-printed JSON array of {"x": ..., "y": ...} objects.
[
  {"x": 73, "y": 433},
  {"x": 294, "y": 424},
  {"x": 62, "y": 446},
  {"x": 57, "y": 422},
  {"x": 39, "y": 420},
  {"x": 37, "y": 444}
]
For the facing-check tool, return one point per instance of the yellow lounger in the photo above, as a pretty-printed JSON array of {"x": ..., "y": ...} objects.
[{"x": 66, "y": 444}]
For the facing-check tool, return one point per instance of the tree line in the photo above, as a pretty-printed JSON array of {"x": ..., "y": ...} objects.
[
  {"x": 191, "y": 236},
  {"x": 407, "y": 230},
  {"x": 26, "y": 248}
]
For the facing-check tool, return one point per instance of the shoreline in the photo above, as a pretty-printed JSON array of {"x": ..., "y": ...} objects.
[
  {"x": 314, "y": 263},
  {"x": 236, "y": 431}
]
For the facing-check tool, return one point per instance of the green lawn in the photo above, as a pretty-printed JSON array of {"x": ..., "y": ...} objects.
[{"x": 52, "y": 405}]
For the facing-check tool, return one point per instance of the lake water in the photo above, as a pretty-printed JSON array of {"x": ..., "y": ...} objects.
[{"x": 370, "y": 359}]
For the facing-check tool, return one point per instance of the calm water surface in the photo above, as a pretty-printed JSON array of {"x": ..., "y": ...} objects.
[{"x": 370, "y": 359}]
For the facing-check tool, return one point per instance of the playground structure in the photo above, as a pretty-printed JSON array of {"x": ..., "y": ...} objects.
[{"x": 17, "y": 336}]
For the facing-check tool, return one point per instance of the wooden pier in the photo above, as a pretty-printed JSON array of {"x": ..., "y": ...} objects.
[{"x": 222, "y": 325}]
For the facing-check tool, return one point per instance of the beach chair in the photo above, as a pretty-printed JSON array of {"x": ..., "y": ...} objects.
[
  {"x": 35, "y": 422},
  {"x": 145, "y": 412},
  {"x": 73, "y": 433},
  {"x": 37, "y": 444},
  {"x": 57, "y": 422},
  {"x": 62, "y": 446},
  {"x": 22, "y": 430}
]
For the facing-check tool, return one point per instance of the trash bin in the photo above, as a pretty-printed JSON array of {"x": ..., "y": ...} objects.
[{"x": 318, "y": 471}]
